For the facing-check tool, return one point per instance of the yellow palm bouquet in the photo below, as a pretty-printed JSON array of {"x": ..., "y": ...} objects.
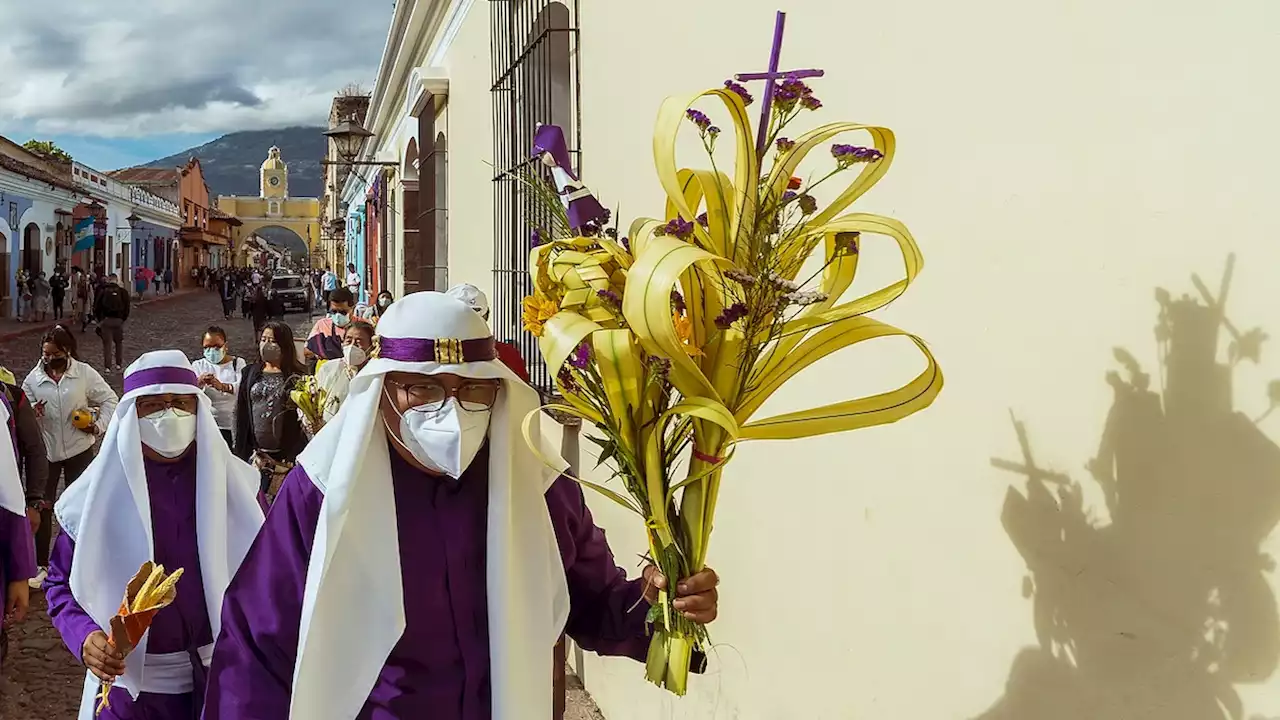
[{"x": 669, "y": 340}]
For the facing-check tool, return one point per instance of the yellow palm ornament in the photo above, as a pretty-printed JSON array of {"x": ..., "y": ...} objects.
[{"x": 670, "y": 340}]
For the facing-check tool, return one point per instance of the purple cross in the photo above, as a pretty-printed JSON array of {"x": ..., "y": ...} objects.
[{"x": 770, "y": 78}]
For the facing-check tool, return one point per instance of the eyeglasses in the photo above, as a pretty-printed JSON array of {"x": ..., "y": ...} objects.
[
  {"x": 430, "y": 394},
  {"x": 153, "y": 404}
]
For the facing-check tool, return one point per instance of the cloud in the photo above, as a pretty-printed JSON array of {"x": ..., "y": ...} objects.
[{"x": 131, "y": 68}]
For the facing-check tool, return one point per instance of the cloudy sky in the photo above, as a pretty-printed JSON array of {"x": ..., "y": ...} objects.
[{"x": 122, "y": 82}]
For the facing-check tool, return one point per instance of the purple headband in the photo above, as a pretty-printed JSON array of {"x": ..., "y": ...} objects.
[
  {"x": 159, "y": 376},
  {"x": 446, "y": 351}
]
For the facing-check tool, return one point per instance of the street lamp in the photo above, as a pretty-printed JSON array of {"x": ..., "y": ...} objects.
[{"x": 348, "y": 138}]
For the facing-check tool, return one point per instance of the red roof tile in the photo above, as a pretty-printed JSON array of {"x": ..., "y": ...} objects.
[{"x": 36, "y": 173}]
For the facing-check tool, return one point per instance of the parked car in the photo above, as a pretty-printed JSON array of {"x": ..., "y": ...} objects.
[{"x": 292, "y": 291}]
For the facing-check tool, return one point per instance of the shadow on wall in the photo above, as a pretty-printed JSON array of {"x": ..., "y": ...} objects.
[{"x": 1155, "y": 605}]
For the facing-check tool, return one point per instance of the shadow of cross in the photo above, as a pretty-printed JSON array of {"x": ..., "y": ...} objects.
[
  {"x": 1219, "y": 304},
  {"x": 1028, "y": 467}
]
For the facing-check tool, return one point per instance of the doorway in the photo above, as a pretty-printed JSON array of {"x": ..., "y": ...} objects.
[{"x": 31, "y": 248}]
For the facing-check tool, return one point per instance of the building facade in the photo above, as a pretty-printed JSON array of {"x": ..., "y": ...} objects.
[
  {"x": 1055, "y": 180},
  {"x": 37, "y": 200}
]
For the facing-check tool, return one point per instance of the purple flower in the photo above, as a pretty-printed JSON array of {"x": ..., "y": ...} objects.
[
  {"x": 731, "y": 315},
  {"x": 604, "y": 218},
  {"x": 713, "y": 132},
  {"x": 699, "y": 118},
  {"x": 677, "y": 301},
  {"x": 788, "y": 196},
  {"x": 740, "y": 91},
  {"x": 808, "y": 204},
  {"x": 847, "y": 155},
  {"x": 581, "y": 356},
  {"x": 742, "y": 277},
  {"x": 535, "y": 237},
  {"x": 703, "y": 221},
  {"x": 847, "y": 243},
  {"x": 679, "y": 227},
  {"x": 791, "y": 91},
  {"x": 626, "y": 243},
  {"x": 609, "y": 298},
  {"x": 785, "y": 144},
  {"x": 566, "y": 380},
  {"x": 659, "y": 366}
]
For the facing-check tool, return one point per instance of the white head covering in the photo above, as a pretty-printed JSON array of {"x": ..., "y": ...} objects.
[
  {"x": 11, "y": 496},
  {"x": 353, "y": 607},
  {"x": 472, "y": 296},
  {"x": 107, "y": 512}
]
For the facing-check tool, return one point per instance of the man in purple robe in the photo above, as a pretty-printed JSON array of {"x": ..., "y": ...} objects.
[
  {"x": 421, "y": 561},
  {"x": 164, "y": 461},
  {"x": 17, "y": 549}
]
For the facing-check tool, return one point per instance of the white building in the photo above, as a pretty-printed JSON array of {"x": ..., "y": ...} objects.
[
  {"x": 1057, "y": 163},
  {"x": 130, "y": 244},
  {"x": 37, "y": 201}
]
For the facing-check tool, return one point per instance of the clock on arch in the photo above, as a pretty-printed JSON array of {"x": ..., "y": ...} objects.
[{"x": 274, "y": 181}]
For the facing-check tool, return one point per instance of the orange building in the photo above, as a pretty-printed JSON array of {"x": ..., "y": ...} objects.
[{"x": 205, "y": 237}]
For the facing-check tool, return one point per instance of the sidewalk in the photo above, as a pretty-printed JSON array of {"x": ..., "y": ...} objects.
[{"x": 11, "y": 329}]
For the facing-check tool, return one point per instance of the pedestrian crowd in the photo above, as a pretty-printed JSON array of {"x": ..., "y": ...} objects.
[{"x": 396, "y": 551}]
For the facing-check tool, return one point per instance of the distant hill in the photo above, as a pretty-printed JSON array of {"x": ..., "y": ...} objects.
[{"x": 232, "y": 162}]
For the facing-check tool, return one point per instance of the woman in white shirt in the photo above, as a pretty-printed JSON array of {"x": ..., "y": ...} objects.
[
  {"x": 58, "y": 387},
  {"x": 218, "y": 373}
]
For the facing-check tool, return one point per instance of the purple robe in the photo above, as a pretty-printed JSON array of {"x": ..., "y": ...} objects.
[
  {"x": 181, "y": 627},
  {"x": 440, "y": 667},
  {"x": 17, "y": 555}
]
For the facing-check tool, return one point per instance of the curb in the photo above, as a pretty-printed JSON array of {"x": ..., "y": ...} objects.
[{"x": 32, "y": 328}]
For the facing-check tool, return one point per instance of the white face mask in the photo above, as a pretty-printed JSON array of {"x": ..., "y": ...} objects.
[
  {"x": 354, "y": 355},
  {"x": 169, "y": 432},
  {"x": 447, "y": 440}
]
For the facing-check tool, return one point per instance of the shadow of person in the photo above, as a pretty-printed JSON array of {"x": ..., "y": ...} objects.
[{"x": 1154, "y": 604}]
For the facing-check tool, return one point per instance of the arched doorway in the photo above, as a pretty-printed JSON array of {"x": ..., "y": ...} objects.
[
  {"x": 31, "y": 261},
  {"x": 439, "y": 166},
  {"x": 274, "y": 245},
  {"x": 416, "y": 259}
]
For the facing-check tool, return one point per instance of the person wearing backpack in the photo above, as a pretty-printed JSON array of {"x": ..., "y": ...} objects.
[{"x": 112, "y": 310}]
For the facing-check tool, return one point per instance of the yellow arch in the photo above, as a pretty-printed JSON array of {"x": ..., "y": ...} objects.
[{"x": 301, "y": 215}]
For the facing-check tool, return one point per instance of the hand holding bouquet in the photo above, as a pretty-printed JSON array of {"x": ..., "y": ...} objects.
[
  {"x": 669, "y": 340},
  {"x": 147, "y": 593},
  {"x": 312, "y": 401}
]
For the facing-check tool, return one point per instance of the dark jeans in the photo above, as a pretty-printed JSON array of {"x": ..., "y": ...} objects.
[
  {"x": 112, "y": 336},
  {"x": 228, "y": 307},
  {"x": 71, "y": 468},
  {"x": 57, "y": 306}
]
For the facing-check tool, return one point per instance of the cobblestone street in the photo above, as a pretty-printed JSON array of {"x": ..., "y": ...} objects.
[{"x": 40, "y": 678}]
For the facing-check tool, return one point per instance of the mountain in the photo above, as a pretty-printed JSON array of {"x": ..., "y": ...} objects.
[{"x": 232, "y": 162}]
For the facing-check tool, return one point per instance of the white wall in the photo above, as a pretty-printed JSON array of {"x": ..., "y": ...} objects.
[{"x": 1057, "y": 163}]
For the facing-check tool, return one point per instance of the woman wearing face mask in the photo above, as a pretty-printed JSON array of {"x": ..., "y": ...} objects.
[
  {"x": 268, "y": 431},
  {"x": 334, "y": 376},
  {"x": 65, "y": 393},
  {"x": 219, "y": 376}
]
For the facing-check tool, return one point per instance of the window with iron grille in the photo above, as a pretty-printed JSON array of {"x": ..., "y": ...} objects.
[{"x": 534, "y": 49}]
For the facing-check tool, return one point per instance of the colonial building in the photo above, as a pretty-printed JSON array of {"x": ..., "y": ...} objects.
[
  {"x": 204, "y": 239},
  {"x": 139, "y": 225},
  {"x": 1057, "y": 163},
  {"x": 338, "y": 239},
  {"x": 274, "y": 207},
  {"x": 37, "y": 200}
]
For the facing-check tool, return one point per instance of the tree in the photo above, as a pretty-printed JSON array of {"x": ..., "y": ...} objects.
[{"x": 47, "y": 148}]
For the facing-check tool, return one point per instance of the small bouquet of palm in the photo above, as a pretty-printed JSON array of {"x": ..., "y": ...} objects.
[
  {"x": 312, "y": 401},
  {"x": 670, "y": 339}
]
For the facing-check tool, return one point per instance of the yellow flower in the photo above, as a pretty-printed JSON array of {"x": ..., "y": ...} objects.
[
  {"x": 537, "y": 311},
  {"x": 684, "y": 331}
]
